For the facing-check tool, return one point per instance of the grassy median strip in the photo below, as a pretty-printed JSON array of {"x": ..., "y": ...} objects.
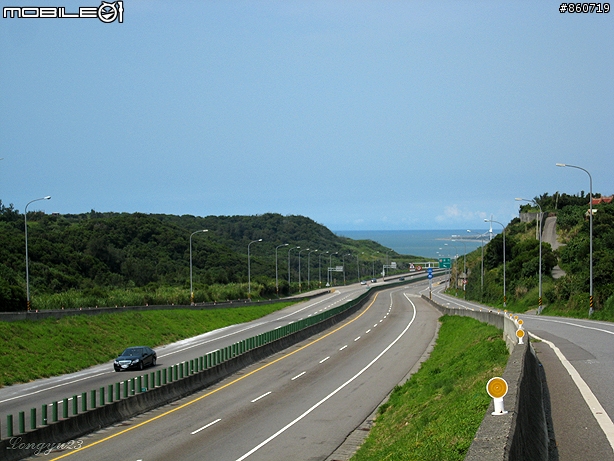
[
  {"x": 436, "y": 414},
  {"x": 33, "y": 350}
]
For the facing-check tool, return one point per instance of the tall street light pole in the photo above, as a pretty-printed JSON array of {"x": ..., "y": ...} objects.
[
  {"x": 276, "y": 278},
  {"x": 330, "y": 267},
  {"x": 590, "y": 218},
  {"x": 343, "y": 259},
  {"x": 541, "y": 217},
  {"x": 191, "y": 286},
  {"x": 456, "y": 260},
  {"x": 504, "y": 293},
  {"x": 320, "y": 267},
  {"x": 482, "y": 274},
  {"x": 296, "y": 248},
  {"x": 299, "y": 269},
  {"x": 25, "y": 217},
  {"x": 308, "y": 268},
  {"x": 249, "y": 271},
  {"x": 464, "y": 262}
]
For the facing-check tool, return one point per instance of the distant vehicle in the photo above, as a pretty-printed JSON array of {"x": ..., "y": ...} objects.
[
  {"x": 137, "y": 357},
  {"x": 401, "y": 279},
  {"x": 373, "y": 280},
  {"x": 362, "y": 282}
]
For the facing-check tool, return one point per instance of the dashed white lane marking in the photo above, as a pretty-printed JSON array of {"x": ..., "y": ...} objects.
[
  {"x": 206, "y": 426},
  {"x": 299, "y": 375},
  {"x": 261, "y": 397},
  {"x": 343, "y": 347},
  {"x": 318, "y": 404},
  {"x": 325, "y": 359}
]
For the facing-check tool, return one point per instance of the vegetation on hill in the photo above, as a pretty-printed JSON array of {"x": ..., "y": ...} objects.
[
  {"x": 106, "y": 259},
  {"x": 50, "y": 347},
  {"x": 568, "y": 295}
]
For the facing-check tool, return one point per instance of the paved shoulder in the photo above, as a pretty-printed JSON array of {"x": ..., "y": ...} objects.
[{"x": 576, "y": 432}]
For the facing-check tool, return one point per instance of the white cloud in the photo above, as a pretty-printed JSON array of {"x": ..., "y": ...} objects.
[{"x": 454, "y": 213}]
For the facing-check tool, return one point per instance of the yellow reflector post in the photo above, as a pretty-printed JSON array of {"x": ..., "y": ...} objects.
[
  {"x": 497, "y": 388},
  {"x": 520, "y": 335}
]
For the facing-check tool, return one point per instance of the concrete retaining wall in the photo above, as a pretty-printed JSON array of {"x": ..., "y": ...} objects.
[{"x": 522, "y": 433}]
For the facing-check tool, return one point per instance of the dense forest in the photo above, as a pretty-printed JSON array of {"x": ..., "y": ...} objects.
[
  {"x": 93, "y": 258},
  {"x": 568, "y": 293}
]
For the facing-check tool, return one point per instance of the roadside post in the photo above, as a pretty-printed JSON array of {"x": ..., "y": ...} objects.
[{"x": 497, "y": 388}]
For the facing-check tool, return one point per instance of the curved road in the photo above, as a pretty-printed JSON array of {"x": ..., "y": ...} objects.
[
  {"x": 299, "y": 404},
  {"x": 22, "y": 397}
]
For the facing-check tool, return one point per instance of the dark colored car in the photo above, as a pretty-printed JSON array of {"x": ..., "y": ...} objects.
[{"x": 137, "y": 357}]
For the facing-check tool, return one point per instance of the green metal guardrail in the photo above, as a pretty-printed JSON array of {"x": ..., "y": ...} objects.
[{"x": 140, "y": 384}]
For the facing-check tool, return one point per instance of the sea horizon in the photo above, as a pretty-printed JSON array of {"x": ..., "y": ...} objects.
[{"x": 427, "y": 243}]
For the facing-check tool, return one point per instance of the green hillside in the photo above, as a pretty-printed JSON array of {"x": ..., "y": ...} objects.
[
  {"x": 568, "y": 295},
  {"x": 133, "y": 258}
]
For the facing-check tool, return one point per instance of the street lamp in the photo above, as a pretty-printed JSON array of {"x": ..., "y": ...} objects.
[
  {"x": 343, "y": 260},
  {"x": 320, "y": 267},
  {"x": 330, "y": 267},
  {"x": 299, "y": 269},
  {"x": 456, "y": 260},
  {"x": 464, "y": 262},
  {"x": 590, "y": 218},
  {"x": 249, "y": 271},
  {"x": 541, "y": 214},
  {"x": 482, "y": 274},
  {"x": 308, "y": 268},
  {"x": 289, "y": 265},
  {"x": 191, "y": 288},
  {"x": 504, "y": 294},
  {"x": 276, "y": 279},
  {"x": 25, "y": 217}
]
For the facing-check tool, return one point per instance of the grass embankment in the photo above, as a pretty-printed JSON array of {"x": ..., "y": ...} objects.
[
  {"x": 436, "y": 414},
  {"x": 33, "y": 350}
]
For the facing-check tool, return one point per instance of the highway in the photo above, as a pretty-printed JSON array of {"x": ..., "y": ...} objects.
[
  {"x": 22, "y": 397},
  {"x": 299, "y": 404}
]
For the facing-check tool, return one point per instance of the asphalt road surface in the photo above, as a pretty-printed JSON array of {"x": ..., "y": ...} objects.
[
  {"x": 22, "y": 397},
  {"x": 299, "y": 404}
]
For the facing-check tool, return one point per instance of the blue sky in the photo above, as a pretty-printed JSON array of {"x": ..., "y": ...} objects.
[{"x": 368, "y": 115}]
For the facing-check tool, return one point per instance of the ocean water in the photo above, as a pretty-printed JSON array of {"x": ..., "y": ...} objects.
[{"x": 427, "y": 243}]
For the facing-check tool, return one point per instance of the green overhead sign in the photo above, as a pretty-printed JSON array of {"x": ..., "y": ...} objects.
[{"x": 445, "y": 263}]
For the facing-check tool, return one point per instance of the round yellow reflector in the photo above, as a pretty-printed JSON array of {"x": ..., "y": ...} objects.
[
  {"x": 520, "y": 321},
  {"x": 520, "y": 333},
  {"x": 496, "y": 387}
]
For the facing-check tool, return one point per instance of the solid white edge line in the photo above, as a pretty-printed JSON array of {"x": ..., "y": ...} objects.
[
  {"x": 205, "y": 427},
  {"x": 597, "y": 410},
  {"x": 292, "y": 423}
]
